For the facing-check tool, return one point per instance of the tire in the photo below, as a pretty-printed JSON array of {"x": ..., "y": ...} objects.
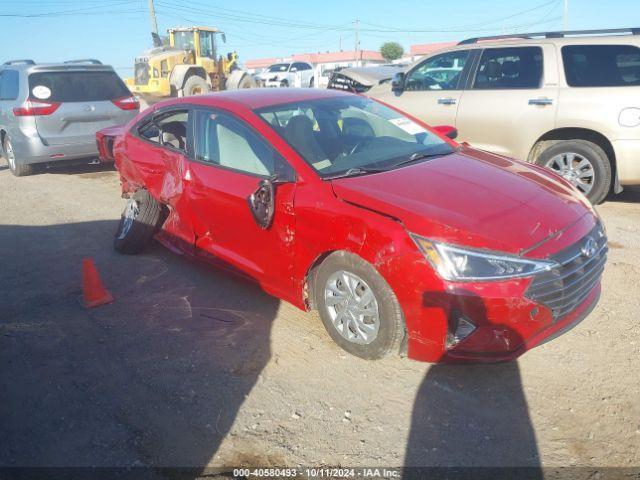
[
  {"x": 140, "y": 220},
  {"x": 284, "y": 83},
  {"x": 17, "y": 169},
  {"x": 311, "y": 82},
  {"x": 558, "y": 155},
  {"x": 195, "y": 85},
  {"x": 390, "y": 320},
  {"x": 247, "y": 82}
]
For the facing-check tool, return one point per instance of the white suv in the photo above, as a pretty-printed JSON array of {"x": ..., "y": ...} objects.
[
  {"x": 296, "y": 74},
  {"x": 567, "y": 100}
]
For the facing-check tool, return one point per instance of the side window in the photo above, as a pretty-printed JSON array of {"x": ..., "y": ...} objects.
[
  {"x": 441, "y": 72},
  {"x": 169, "y": 130},
  {"x": 509, "y": 68},
  {"x": 207, "y": 44},
  {"x": 601, "y": 65},
  {"x": 9, "y": 85},
  {"x": 221, "y": 139}
]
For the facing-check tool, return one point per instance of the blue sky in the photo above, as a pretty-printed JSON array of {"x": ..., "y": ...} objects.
[{"x": 115, "y": 31}]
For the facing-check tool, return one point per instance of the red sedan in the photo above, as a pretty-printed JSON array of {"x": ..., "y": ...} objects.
[{"x": 402, "y": 239}]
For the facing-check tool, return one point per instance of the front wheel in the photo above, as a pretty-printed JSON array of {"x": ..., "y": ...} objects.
[
  {"x": 584, "y": 164},
  {"x": 195, "y": 85},
  {"x": 357, "y": 307},
  {"x": 141, "y": 219}
]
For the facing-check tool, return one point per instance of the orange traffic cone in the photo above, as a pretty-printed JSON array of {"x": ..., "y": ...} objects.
[{"x": 94, "y": 292}]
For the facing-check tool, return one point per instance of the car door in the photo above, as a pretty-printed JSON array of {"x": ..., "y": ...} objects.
[
  {"x": 229, "y": 162},
  {"x": 511, "y": 101},
  {"x": 433, "y": 88}
]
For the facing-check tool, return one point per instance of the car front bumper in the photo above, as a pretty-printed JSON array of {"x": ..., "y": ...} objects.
[{"x": 509, "y": 317}]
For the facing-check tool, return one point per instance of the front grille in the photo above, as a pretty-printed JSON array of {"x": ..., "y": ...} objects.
[
  {"x": 141, "y": 73},
  {"x": 580, "y": 268}
]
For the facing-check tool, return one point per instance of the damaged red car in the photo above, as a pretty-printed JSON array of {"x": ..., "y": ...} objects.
[{"x": 402, "y": 239}]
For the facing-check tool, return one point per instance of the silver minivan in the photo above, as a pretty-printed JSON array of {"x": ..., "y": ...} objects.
[{"x": 51, "y": 112}]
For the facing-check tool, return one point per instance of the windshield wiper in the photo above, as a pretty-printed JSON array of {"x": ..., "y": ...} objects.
[
  {"x": 420, "y": 156},
  {"x": 352, "y": 172}
]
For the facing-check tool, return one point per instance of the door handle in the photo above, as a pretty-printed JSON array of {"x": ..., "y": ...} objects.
[
  {"x": 447, "y": 101},
  {"x": 540, "y": 101}
]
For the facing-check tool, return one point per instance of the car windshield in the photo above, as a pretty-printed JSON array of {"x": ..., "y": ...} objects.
[
  {"x": 352, "y": 135},
  {"x": 279, "y": 67}
]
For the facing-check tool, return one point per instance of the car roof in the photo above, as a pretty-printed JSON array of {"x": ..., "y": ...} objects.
[{"x": 255, "y": 98}]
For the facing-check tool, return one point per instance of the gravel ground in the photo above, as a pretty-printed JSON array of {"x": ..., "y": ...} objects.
[{"x": 191, "y": 366}]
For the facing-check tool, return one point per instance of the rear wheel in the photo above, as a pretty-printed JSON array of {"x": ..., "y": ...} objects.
[
  {"x": 195, "y": 85},
  {"x": 311, "y": 83},
  {"x": 584, "y": 164},
  {"x": 141, "y": 219},
  {"x": 357, "y": 307},
  {"x": 17, "y": 169}
]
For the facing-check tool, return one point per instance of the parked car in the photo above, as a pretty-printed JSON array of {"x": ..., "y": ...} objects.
[
  {"x": 564, "y": 100},
  {"x": 399, "y": 236},
  {"x": 51, "y": 112},
  {"x": 296, "y": 74}
]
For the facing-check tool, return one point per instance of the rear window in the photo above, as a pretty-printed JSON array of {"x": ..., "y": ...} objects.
[
  {"x": 76, "y": 86},
  {"x": 601, "y": 65}
]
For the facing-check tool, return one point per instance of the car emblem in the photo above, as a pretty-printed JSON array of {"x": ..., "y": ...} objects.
[
  {"x": 589, "y": 248},
  {"x": 89, "y": 108}
]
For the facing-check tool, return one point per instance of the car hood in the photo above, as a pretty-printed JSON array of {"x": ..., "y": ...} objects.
[{"x": 471, "y": 198}]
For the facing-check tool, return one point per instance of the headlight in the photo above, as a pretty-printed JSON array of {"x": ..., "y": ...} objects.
[{"x": 461, "y": 264}]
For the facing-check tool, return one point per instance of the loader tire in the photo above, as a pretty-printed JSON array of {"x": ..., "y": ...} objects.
[{"x": 195, "y": 85}]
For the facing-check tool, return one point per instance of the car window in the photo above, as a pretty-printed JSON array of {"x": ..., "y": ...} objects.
[
  {"x": 339, "y": 134},
  {"x": 221, "y": 139},
  {"x": 279, "y": 67},
  {"x": 83, "y": 86},
  {"x": 601, "y": 65},
  {"x": 441, "y": 72},
  {"x": 509, "y": 68},
  {"x": 10, "y": 85},
  {"x": 169, "y": 130}
]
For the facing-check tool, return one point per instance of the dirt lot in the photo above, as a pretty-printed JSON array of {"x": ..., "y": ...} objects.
[{"x": 190, "y": 366}]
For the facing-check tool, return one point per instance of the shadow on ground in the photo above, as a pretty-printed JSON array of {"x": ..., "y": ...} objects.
[
  {"x": 628, "y": 195},
  {"x": 154, "y": 379},
  {"x": 472, "y": 415}
]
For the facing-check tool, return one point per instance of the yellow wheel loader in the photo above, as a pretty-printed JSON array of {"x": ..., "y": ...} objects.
[{"x": 188, "y": 65}]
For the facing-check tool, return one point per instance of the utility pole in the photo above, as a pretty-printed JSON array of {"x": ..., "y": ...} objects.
[
  {"x": 152, "y": 14},
  {"x": 357, "y": 28},
  {"x": 565, "y": 18}
]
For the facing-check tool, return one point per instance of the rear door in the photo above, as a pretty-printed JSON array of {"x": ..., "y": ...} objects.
[
  {"x": 433, "y": 88},
  {"x": 511, "y": 101},
  {"x": 85, "y": 103}
]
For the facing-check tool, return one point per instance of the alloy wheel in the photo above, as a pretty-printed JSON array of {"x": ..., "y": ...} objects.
[
  {"x": 575, "y": 168},
  {"x": 352, "y": 307}
]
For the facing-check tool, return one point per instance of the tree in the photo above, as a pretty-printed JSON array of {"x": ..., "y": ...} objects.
[{"x": 391, "y": 51}]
